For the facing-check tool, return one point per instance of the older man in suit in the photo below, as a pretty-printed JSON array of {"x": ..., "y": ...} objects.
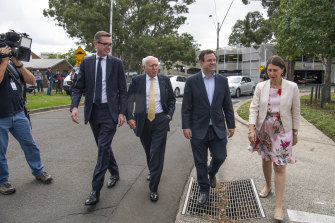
[
  {"x": 206, "y": 109},
  {"x": 155, "y": 105},
  {"x": 102, "y": 78}
]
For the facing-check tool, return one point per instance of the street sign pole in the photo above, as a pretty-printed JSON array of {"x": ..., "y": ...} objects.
[{"x": 111, "y": 22}]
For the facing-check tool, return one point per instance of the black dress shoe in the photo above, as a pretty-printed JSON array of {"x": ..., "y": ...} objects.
[
  {"x": 202, "y": 199},
  {"x": 212, "y": 181},
  {"x": 93, "y": 198},
  {"x": 153, "y": 196},
  {"x": 148, "y": 177},
  {"x": 112, "y": 181}
]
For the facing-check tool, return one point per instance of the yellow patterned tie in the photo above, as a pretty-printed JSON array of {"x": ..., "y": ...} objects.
[{"x": 151, "y": 106}]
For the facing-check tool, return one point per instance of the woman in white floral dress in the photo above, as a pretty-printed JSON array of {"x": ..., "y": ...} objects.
[{"x": 273, "y": 127}]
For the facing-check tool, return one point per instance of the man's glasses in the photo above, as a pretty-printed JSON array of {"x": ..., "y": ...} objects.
[{"x": 106, "y": 44}]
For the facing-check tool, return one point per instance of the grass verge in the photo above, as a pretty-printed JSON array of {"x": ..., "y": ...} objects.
[
  {"x": 44, "y": 101},
  {"x": 323, "y": 119},
  {"x": 243, "y": 110}
]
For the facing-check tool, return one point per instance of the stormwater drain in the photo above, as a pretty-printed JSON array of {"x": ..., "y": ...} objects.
[{"x": 234, "y": 200}]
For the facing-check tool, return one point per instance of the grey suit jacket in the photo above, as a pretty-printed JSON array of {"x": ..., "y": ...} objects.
[
  {"x": 197, "y": 111},
  {"x": 137, "y": 96},
  {"x": 116, "y": 87}
]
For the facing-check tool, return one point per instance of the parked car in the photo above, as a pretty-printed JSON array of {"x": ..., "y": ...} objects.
[
  {"x": 67, "y": 83},
  {"x": 239, "y": 85},
  {"x": 31, "y": 87},
  {"x": 178, "y": 84}
]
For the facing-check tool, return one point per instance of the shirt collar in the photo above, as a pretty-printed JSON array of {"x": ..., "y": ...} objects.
[
  {"x": 204, "y": 76},
  {"x": 148, "y": 77},
  {"x": 103, "y": 58}
]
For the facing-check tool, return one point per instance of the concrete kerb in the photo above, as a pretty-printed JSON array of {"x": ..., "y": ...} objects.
[
  {"x": 237, "y": 117},
  {"x": 34, "y": 111}
]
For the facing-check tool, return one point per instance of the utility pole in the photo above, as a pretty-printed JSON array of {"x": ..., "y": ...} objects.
[
  {"x": 111, "y": 22},
  {"x": 218, "y": 28}
]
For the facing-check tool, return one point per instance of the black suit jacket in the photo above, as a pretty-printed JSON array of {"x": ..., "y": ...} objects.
[
  {"x": 116, "y": 87},
  {"x": 197, "y": 112},
  {"x": 137, "y": 96}
]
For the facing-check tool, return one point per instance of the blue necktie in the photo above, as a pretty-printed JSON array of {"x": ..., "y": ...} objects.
[{"x": 98, "y": 84}]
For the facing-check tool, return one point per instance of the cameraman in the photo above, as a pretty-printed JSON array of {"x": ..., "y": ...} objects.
[{"x": 13, "y": 120}]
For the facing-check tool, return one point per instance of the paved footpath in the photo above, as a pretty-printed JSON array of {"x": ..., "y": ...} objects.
[
  {"x": 69, "y": 153},
  {"x": 310, "y": 190}
]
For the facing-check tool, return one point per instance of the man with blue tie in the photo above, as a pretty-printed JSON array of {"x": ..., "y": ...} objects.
[
  {"x": 155, "y": 105},
  {"x": 206, "y": 109},
  {"x": 102, "y": 78}
]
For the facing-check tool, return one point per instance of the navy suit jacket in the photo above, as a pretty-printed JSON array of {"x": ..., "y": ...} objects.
[
  {"x": 197, "y": 112},
  {"x": 137, "y": 98},
  {"x": 116, "y": 86}
]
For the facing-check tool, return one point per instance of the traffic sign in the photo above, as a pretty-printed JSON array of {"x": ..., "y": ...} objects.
[
  {"x": 260, "y": 68},
  {"x": 79, "y": 54}
]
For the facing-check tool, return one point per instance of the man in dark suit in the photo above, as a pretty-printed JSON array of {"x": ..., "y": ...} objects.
[
  {"x": 102, "y": 78},
  {"x": 206, "y": 109},
  {"x": 155, "y": 105}
]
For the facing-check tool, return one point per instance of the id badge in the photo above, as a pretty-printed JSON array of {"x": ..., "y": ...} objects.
[{"x": 12, "y": 83}]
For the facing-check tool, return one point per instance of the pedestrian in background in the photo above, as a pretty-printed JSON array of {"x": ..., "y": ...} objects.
[
  {"x": 39, "y": 80},
  {"x": 263, "y": 76},
  {"x": 274, "y": 118},
  {"x": 206, "y": 110},
  {"x": 102, "y": 78},
  {"x": 49, "y": 78},
  {"x": 155, "y": 104},
  {"x": 14, "y": 120},
  {"x": 58, "y": 81}
]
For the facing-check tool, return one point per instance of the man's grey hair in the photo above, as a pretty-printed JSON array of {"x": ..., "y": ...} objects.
[{"x": 144, "y": 61}]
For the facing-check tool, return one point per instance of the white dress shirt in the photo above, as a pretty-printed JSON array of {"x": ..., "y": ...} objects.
[
  {"x": 103, "y": 66},
  {"x": 158, "y": 105}
]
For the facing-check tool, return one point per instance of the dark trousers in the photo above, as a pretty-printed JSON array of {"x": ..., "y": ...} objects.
[
  {"x": 153, "y": 140},
  {"x": 218, "y": 150},
  {"x": 103, "y": 128},
  {"x": 39, "y": 85}
]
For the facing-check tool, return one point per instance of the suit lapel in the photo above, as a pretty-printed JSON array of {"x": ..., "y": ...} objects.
[
  {"x": 284, "y": 92},
  {"x": 109, "y": 66},
  {"x": 202, "y": 87},
  {"x": 91, "y": 74},
  {"x": 217, "y": 87},
  {"x": 161, "y": 87},
  {"x": 142, "y": 89}
]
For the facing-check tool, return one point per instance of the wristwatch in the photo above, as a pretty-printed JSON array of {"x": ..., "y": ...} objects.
[
  {"x": 295, "y": 133},
  {"x": 19, "y": 66}
]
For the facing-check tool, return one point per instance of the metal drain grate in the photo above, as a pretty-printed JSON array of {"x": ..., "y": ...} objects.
[{"x": 235, "y": 200}]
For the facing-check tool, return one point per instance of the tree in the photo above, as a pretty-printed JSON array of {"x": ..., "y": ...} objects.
[
  {"x": 140, "y": 27},
  {"x": 254, "y": 29},
  {"x": 307, "y": 28},
  {"x": 67, "y": 56}
]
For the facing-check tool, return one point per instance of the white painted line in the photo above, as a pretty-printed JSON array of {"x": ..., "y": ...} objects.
[
  {"x": 306, "y": 217},
  {"x": 187, "y": 196},
  {"x": 256, "y": 195}
]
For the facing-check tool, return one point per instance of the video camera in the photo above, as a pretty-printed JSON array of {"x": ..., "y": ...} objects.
[{"x": 20, "y": 44}]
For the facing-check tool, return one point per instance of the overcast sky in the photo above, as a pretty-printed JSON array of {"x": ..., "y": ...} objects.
[{"x": 26, "y": 16}]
